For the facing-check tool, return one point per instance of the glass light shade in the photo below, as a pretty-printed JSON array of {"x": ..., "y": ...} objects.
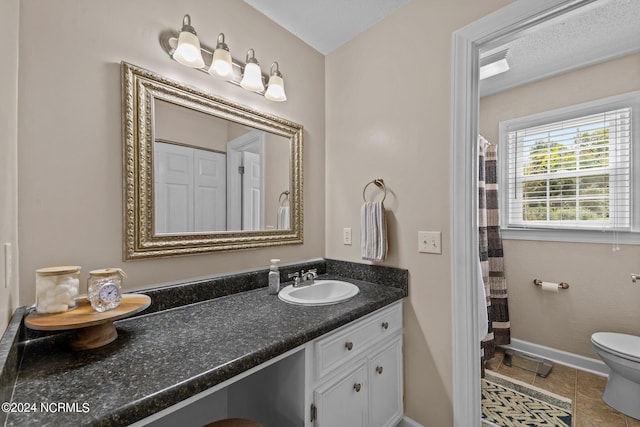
[
  {"x": 275, "y": 89},
  {"x": 188, "y": 51},
  {"x": 221, "y": 65},
  {"x": 252, "y": 78}
]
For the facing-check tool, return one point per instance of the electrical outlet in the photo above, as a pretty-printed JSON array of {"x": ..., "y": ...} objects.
[
  {"x": 430, "y": 242},
  {"x": 346, "y": 236}
]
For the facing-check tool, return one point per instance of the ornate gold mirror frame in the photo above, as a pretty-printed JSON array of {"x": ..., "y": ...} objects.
[{"x": 140, "y": 89}]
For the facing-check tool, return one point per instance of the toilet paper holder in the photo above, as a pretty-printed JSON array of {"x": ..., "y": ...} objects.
[{"x": 561, "y": 285}]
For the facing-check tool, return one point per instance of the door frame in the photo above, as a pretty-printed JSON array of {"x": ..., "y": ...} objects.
[{"x": 466, "y": 43}]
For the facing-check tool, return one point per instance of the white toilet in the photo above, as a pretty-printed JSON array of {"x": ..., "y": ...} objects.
[{"x": 621, "y": 353}]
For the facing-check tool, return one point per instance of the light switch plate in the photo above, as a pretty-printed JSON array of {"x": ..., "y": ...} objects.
[
  {"x": 346, "y": 236},
  {"x": 430, "y": 242}
]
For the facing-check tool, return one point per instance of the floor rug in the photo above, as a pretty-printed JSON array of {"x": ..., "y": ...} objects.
[{"x": 510, "y": 403}]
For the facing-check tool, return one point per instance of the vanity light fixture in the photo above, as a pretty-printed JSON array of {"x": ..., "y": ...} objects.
[
  {"x": 494, "y": 64},
  {"x": 275, "y": 88},
  {"x": 221, "y": 65},
  {"x": 186, "y": 49},
  {"x": 252, "y": 75}
]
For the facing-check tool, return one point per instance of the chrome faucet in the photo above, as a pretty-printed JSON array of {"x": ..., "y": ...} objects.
[
  {"x": 635, "y": 277},
  {"x": 309, "y": 276},
  {"x": 303, "y": 278},
  {"x": 296, "y": 278}
]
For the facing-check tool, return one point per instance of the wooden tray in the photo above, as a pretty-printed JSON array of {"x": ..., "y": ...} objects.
[{"x": 91, "y": 329}]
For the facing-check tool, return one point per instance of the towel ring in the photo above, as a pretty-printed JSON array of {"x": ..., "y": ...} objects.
[
  {"x": 285, "y": 193},
  {"x": 379, "y": 182}
]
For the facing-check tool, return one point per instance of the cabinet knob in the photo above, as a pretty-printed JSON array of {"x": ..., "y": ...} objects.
[
  {"x": 379, "y": 369},
  {"x": 357, "y": 387},
  {"x": 348, "y": 345},
  {"x": 385, "y": 325}
]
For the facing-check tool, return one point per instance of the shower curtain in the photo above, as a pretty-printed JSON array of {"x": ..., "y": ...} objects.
[{"x": 490, "y": 252}]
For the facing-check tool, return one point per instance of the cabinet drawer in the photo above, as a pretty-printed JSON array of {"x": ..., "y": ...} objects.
[{"x": 344, "y": 345}]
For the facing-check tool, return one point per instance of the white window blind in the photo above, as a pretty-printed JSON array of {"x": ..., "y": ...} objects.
[{"x": 573, "y": 173}]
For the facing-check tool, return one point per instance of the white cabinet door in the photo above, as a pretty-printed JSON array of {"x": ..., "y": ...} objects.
[
  {"x": 343, "y": 403},
  {"x": 357, "y": 373},
  {"x": 385, "y": 385}
]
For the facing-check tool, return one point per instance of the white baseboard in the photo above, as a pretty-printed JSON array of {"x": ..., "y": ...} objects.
[
  {"x": 565, "y": 358},
  {"x": 408, "y": 422}
]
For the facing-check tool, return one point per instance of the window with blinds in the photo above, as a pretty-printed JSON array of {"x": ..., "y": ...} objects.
[{"x": 565, "y": 171}]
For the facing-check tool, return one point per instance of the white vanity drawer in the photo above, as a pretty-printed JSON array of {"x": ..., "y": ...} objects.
[{"x": 342, "y": 346}]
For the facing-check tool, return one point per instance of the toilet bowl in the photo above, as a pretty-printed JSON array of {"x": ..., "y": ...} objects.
[{"x": 621, "y": 353}]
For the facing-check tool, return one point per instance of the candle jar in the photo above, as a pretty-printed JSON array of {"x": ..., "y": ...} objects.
[
  {"x": 57, "y": 288},
  {"x": 104, "y": 288}
]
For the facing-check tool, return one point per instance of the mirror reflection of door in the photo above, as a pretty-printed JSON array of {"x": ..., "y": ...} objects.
[
  {"x": 245, "y": 181},
  {"x": 190, "y": 189},
  {"x": 252, "y": 191},
  {"x": 210, "y": 192},
  {"x": 201, "y": 188}
]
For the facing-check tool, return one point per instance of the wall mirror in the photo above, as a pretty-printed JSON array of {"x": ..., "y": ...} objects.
[{"x": 204, "y": 174}]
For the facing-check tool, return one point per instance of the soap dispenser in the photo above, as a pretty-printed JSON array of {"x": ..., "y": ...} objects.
[{"x": 274, "y": 277}]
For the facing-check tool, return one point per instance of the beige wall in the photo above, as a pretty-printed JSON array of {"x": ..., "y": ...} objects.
[
  {"x": 601, "y": 296},
  {"x": 9, "y": 11},
  {"x": 388, "y": 116},
  {"x": 175, "y": 123},
  {"x": 70, "y": 151}
]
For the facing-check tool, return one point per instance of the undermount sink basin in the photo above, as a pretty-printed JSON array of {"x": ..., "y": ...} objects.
[{"x": 322, "y": 292}]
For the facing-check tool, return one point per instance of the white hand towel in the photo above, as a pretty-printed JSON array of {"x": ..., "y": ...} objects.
[{"x": 373, "y": 231}]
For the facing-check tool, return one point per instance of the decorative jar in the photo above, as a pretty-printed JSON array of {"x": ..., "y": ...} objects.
[{"x": 57, "y": 288}]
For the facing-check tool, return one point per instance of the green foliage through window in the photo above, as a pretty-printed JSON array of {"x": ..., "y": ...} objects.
[{"x": 556, "y": 198}]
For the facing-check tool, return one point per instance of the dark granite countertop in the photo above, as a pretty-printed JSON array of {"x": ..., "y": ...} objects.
[{"x": 164, "y": 357}]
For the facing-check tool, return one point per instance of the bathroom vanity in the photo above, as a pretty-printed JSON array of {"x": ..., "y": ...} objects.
[
  {"x": 245, "y": 354},
  {"x": 351, "y": 376},
  {"x": 357, "y": 372}
]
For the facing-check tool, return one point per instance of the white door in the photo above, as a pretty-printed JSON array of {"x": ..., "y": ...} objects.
[
  {"x": 251, "y": 191},
  {"x": 385, "y": 373},
  {"x": 343, "y": 402},
  {"x": 173, "y": 183},
  {"x": 190, "y": 189},
  {"x": 210, "y": 186}
]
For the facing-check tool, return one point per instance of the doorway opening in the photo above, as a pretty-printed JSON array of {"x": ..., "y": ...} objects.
[{"x": 490, "y": 30}]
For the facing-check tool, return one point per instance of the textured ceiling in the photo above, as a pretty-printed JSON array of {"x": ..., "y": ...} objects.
[
  {"x": 602, "y": 30},
  {"x": 326, "y": 24}
]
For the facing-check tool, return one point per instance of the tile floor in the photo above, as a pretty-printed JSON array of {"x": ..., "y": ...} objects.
[{"x": 583, "y": 388}]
